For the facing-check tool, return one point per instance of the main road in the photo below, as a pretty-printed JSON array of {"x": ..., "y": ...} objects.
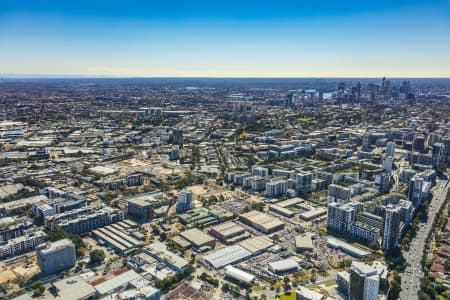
[{"x": 413, "y": 272}]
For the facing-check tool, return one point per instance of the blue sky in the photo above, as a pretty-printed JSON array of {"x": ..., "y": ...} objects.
[{"x": 226, "y": 39}]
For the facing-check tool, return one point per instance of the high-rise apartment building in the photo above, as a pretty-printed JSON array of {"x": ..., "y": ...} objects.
[
  {"x": 303, "y": 182},
  {"x": 366, "y": 280},
  {"x": 415, "y": 191},
  {"x": 56, "y": 256},
  {"x": 184, "y": 201},
  {"x": 342, "y": 216},
  {"x": 337, "y": 193},
  {"x": 260, "y": 171},
  {"x": 276, "y": 188},
  {"x": 390, "y": 149},
  {"x": 391, "y": 231},
  {"x": 438, "y": 157},
  {"x": 387, "y": 164}
]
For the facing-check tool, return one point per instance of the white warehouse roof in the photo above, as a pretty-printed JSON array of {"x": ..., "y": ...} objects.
[
  {"x": 112, "y": 284},
  {"x": 238, "y": 274},
  {"x": 309, "y": 294},
  {"x": 226, "y": 256},
  {"x": 283, "y": 265},
  {"x": 346, "y": 247}
]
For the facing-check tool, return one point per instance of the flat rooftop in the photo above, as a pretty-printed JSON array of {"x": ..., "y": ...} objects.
[
  {"x": 228, "y": 228},
  {"x": 55, "y": 246},
  {"x": 74, "y": 288},
  {"x": 226, "y": 256},
  {"x": 290, "y": 202},
  {"x": 101, "y": 170},
  {"x": 346, "y": 247},
  {"x": 304, "y": 241},
  {"x": 257, "y": 244},
  {"x": 23, "y": 202},
  {"x": 145, "y": 199},
  {"x": 262, "y": 219},
  {"x": 196, "y": 237},
  {"x": 160, "y": 250},
  {"x": 283, "y": 265},
  {"x": 315, "y": 212},
  {"x": 116, "y": 282}
]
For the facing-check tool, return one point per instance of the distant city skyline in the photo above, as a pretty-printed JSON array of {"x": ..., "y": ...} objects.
[{"x": 233, "y": 39}]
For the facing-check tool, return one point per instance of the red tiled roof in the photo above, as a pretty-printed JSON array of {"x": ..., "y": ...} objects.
[
  {"x": 443, "y": 253},
  {"x": 437, "y": 268}
]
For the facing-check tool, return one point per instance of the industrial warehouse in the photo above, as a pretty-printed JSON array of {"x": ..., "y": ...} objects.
[
  {"x": 229, "y": 232},
  {"x": 198, "y": 240},
  {"x": 227, "y": 256},
  {"x": 261, "y": 221},
  {"x": 118, "y": 237}
]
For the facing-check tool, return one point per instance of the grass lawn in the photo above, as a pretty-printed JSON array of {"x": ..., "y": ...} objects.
[
  {"x": 258, "y": 288},
  {"x": 304, "y": 119},
  {"x": 289, "y": 296}
]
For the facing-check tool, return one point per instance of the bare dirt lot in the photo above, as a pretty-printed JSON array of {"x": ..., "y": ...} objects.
[{"x": 19, "y": 270}]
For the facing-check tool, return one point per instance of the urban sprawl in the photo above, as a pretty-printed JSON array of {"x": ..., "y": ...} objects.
[{"x": 302, "y": 189}]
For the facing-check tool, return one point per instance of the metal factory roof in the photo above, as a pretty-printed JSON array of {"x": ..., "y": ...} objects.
[
  {"x": 283, "y": 265},
  {"x": 116, "y": 282},
  {"x": 238, "y": 274},
  {"x": 226, "y": 256}
]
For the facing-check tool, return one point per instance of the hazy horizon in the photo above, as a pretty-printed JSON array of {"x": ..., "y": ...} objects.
[{"x": 62, "y": 76}]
